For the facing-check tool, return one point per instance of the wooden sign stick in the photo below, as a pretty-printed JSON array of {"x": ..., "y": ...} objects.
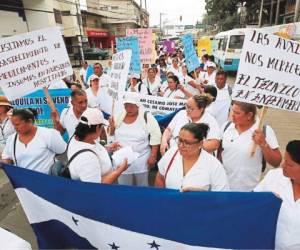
[{"x": 260, "y": 125}]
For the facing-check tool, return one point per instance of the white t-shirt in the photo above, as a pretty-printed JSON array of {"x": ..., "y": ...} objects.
[
  {"x": 220, "y": 107},
  {"x": 184, "y": 80},
  {"x": 39, "y": 153},
  {"x": 174, "y": 93},
  {"x": 176, "y": 72},
  {"x": 134, "y": 135},
  {"x": 181, "y": 119},
  {"x": 288, "y": 224},
  {"x": 6, "y": 129},
  {"x": 93, "y": 101},
  {"x": 153, "y": 87},
  {"x": 143, "y": 89},
  {"x": 68, "y": 120},
  {"x": 211, "y": 79},
  {"x": 12, "y": 242},
  {"x": 87, "y": 166},
  {"x": 207, "y": 173},
  {"x": 243, "y": 171}
]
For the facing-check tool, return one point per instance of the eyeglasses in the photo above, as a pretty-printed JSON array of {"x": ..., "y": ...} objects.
[{"x": 185, "y": 143}]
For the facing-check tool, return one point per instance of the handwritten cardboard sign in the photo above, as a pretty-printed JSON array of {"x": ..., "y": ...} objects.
[
  {"x": 119, "y": 74},
  {"x": 269, "y": 72},
  {"x": 31, "y": 61},
  {"x": 132, "y": 43},
  {"x": 145, "y": 42},
  {"x": 191, "y": 59}
]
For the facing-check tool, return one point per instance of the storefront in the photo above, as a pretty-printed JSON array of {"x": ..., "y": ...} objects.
[{"x": 98, "y": 38}]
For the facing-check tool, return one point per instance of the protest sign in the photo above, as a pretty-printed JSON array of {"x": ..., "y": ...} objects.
[
  {"x": 169, "y": 46},
  {"x": 145, "y": 42},
  {"x": 132, "y": 43},
  {"x": 31, "y": 61},
  {"x": 38, "y": 101},
  {"x": 154, "y": 54},
  {"x": 119, "y": 74},
  {"x": 160, "y": 105},
  {"x": 269, "y": 72},
  {"x": 191, "y": 59}
]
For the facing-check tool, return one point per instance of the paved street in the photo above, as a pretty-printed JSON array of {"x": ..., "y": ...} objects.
[{"x": 285, "y": 124}]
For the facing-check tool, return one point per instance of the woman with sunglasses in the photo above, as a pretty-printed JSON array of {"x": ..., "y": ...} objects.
[
  {"x": 189, "y": 167},
  {"x": 195, "y": 112}
]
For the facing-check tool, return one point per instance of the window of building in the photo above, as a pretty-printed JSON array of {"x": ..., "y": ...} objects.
[
  {"x": 104, "y": 8},
  {"x": 57, "y": 16},
  {"x": 114, "y": 7}
]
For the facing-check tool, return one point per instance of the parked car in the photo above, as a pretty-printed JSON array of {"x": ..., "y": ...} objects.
[{"x": 93, "y": 54}]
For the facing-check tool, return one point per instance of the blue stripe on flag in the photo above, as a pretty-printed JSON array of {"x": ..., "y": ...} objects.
[{"x": 212, "y": 219}]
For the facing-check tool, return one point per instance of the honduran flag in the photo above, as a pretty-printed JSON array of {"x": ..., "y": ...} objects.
[{"x": 72, "y": 214}]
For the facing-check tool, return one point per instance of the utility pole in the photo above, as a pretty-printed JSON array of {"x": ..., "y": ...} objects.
[
  {"x": 160, "y": 21},
  {"x": 260, "y": 13},
  {"x": 79, "y": 21},
  {"x": 297, "y": 9},
  {"x": 277, "y": 12},
  {"x": 141, "y": 13}
]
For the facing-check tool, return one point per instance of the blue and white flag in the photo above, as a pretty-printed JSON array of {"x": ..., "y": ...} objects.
[{"x": 72, "y": 214}]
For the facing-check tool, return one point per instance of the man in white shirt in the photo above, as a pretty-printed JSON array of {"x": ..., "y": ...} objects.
[
  {"x": 104, "y": 79},
  {"x": 285, "y": 183},
  {"x": 220, "y": 107},
  {"x": 69, "y": 117}
]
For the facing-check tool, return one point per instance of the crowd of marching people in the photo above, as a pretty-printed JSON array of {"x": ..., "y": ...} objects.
[{"x": 205, "y": 147}]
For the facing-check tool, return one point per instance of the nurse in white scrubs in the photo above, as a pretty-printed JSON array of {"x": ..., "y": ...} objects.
[{"x": 188, "y": 166}]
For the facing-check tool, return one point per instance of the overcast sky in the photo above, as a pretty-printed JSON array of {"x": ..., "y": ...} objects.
[{"x": 191, "y": 10}]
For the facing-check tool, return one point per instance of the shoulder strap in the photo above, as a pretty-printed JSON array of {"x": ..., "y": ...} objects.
[
  {"x": 227, "y": 125},
  {"x": 170, "y": 164},
  {"x": 265, "y": 129},
  {"x": 79, "y": 152},
  {"x": 15, "y": 145},
  {"x": 146, "y": 116},
  {"x": 140, "y": 87},
  {"x": 229, "y": 90}
]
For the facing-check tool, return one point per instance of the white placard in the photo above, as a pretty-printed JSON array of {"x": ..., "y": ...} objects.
[
  {"x": 124, "y": 153},
  {"x": 31, "y": 61},
  {"x": 269, "y": 72},
  {"x": 119, "y": 74}
]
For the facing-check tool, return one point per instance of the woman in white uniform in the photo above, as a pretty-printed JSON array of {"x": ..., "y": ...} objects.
[
  {"x": 152, "y": 82},
  {"x": 32, "y": 147},
  {"x": 195, "y": 112},
  {"x": 92, "y": 92},
  {"x": 285, "y": 183},
  {"x": 135, "y": 128},
  {"x": 238, "y": 136},
  {"x": 93, "y": 164},
  {"x": 172, "y": 91},
  {"x": 6, "y": 126},
  {"x": 189, "y": 167}
]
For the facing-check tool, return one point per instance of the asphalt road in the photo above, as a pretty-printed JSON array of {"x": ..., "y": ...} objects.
[{"x": 286, "y": 125}]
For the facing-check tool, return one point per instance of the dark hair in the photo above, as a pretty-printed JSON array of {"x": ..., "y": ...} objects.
[
  {"x": 25, "y": 114},
  {"x": 246, "y": 107},
  {"x": 293, "y": 148},
  {"x": 77, "y": 92},
  {"x": 199, "y": 130},
  {"x": 98, "y": 64},
  {"x": 203, "y": 100},
  {"x": 221, "y": 72},
  {"x": 212, "y": 90},
  {"x": 175, "y": 79},
  {"x": 211, "y": 58},
  {"x": 205, "y": 56},
  {"x": 78, "y": 85},
  {"x": 82, "y": 130}
]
